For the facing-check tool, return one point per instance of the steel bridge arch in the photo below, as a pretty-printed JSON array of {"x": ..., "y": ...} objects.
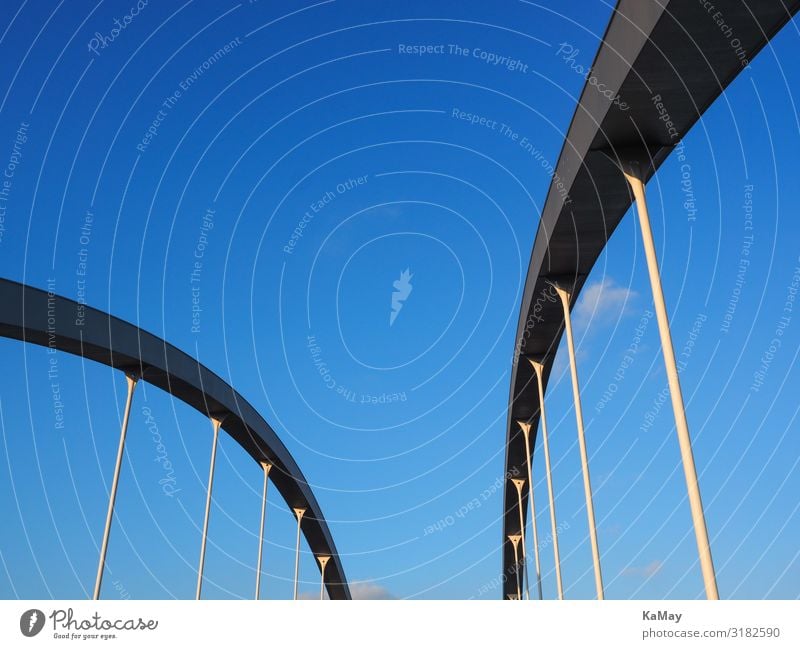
[
  {"x": 657, "y": 58},
  {"x": 106, "y": 339}
]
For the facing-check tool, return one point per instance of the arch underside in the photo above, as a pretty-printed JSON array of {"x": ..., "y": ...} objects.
[{"x": 660, "y": 66}]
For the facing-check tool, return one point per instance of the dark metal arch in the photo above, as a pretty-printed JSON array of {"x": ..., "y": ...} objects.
[
  {"x": 662, "y": 63},
  {"x": 35, "y": 316}
]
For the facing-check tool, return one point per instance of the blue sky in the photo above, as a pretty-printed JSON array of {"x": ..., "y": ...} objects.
[{"x": 190, "y": 161}]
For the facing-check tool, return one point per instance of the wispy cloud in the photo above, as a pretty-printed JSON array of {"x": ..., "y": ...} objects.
[
  {"x": 369, "y": 590},
  {"x": 358, "y": 590},
  {"x": 602, "y": 302},
  {"x": 649, "y": 570}
]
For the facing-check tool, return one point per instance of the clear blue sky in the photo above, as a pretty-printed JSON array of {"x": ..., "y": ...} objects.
[{"x": 146, "y": 129}]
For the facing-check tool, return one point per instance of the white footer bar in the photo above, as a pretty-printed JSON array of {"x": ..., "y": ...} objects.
[{"x": 403, "y": 624}]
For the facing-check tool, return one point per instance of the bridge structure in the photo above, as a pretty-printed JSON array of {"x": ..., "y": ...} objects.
[
  {"x": 37, "y": 317},
  {"x": 661, "y": 64}
]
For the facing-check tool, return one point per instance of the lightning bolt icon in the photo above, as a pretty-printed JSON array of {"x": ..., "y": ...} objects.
[
  {"x": 402, "y": 290},
  {"x": 34, "y": 617}
]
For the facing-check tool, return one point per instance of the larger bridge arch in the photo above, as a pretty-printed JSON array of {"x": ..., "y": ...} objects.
[{"x": 660, "y": 65}]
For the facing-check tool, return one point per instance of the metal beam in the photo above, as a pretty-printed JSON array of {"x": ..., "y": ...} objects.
[
  {"x": 215, "y": 423},
  {"x": 130, "y": 381},
  {"x": 266, "y": 466},
  {"x": 633, "y": 175}
]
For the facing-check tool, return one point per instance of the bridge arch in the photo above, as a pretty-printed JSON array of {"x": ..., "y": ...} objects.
[
  {"x": 103, "y": 338},
  {"x": 661, "y": 65}
]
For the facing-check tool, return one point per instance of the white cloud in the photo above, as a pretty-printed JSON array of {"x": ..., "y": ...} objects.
[
  {"x": 647, "y": 571},
  {"x": 369, "y": 590},
  {"x": 602, "y": 302},
  {"x": 358, "y": 590}
]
